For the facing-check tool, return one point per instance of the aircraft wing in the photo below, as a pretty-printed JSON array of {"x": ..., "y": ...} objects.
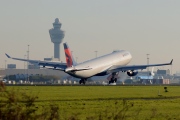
[
  {"x": 56, "y": 65},
  {"x": 134, "y": 67}
]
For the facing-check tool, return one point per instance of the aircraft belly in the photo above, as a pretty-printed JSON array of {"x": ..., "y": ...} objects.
[{"x": 84, "y": 73}]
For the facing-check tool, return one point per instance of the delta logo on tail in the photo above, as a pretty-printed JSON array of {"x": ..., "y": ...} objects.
[{"x": 68, "y": 55}]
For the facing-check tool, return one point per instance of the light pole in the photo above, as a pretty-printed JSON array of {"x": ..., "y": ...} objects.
[
  {"x": 96, "y": 53},
  {"x": 24, "y": 67},
  {"x": 148, "y": 64},
  {"x": 24, "y": 61},
  {"x": 5, "y": 68},
  {"x": 28, "y": 64},
  {"x": 171, "y": 69},
  {"x": 5, "y": 64}
]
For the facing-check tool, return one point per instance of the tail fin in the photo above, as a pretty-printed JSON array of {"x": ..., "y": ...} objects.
[{"x": 69, "y": 58}]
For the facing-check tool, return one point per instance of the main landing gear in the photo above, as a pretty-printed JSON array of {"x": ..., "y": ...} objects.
[
  {"x": 82, "y": 81},
  {"x": 113, "y": 78}
]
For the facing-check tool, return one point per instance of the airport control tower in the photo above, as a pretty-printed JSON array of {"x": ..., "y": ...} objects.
[{"x": 57, "y": 36}]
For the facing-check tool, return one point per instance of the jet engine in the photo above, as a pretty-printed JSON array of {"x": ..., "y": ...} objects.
[{"x": 132, "y": 73}]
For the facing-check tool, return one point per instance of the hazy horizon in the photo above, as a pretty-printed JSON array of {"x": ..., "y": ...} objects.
[{"x": 141, "y": 27}]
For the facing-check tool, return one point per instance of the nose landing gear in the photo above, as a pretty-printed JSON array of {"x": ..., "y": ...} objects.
[{"x": 82, "y": 81}]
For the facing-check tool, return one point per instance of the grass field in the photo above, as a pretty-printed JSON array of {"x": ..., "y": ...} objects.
[{"x": 109, "y": 102}]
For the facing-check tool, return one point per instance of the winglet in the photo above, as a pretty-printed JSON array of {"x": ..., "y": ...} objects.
[
  {"x": 171, "y": 62},
  {"x": 7, "y": 55}
]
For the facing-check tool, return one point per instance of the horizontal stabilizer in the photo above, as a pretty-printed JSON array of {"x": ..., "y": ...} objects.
[
  {"x": 83, "y": 69},
  {"x": 72, "y": 69}
]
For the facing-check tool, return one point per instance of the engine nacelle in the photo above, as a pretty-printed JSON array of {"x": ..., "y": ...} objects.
[{"x": 132, "y": 73}]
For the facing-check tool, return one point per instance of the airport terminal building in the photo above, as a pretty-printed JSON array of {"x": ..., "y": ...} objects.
[{"x": 23, "y": 74}]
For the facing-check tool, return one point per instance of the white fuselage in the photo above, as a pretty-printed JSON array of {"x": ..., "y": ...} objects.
[{"x": 101, "y": 64}]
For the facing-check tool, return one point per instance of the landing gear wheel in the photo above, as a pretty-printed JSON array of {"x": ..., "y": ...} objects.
[
  {"x": 83, "y": 81},
  {"x": 115, "y": 80},
  {"x": 110, "y": 82},
  {"x": 80, "y": 81}
]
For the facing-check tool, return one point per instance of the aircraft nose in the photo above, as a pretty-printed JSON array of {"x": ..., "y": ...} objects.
[{"x": 130, "y": 56}]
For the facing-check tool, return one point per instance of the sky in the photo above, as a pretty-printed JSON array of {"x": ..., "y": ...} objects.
[{"x": 139, "y": 26}]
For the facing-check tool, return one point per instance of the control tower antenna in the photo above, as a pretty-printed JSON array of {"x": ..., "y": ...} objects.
[{"x": 56, "y": 35}]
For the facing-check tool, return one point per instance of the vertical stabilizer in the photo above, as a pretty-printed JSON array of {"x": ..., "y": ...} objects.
[{"x": 69, "y": 58}]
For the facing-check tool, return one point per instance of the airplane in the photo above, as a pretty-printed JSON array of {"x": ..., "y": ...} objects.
[
  {"x": 149, "y": 77},
  {"x": 111, "y": 63}
]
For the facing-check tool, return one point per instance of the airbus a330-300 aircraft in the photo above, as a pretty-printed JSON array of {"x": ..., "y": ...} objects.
[{"x": 108, "y": 64}]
